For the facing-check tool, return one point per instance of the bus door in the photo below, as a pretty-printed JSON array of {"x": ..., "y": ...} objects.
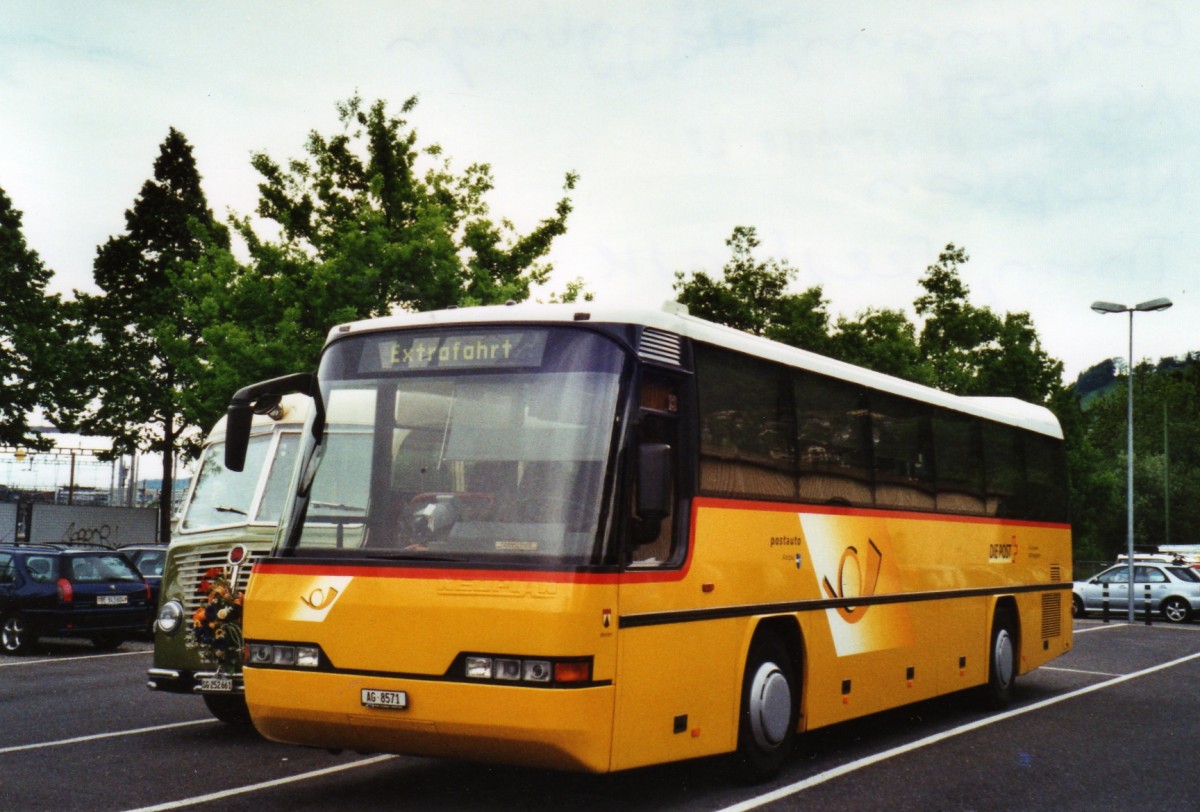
[{"x": 664, "y": 676}]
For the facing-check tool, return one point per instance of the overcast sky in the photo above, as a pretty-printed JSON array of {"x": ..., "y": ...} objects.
[{"x": 1058, "y": 142}]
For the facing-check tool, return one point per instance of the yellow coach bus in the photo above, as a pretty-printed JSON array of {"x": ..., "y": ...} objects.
[{"x": 596, "y": 539}]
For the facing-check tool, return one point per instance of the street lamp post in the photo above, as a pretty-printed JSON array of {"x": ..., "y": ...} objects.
[{"x": 1145, "y": 307}]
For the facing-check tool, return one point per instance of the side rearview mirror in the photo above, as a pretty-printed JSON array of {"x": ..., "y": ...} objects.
[
  {"x": 653, "y": 502},
  {"x": 261, "y": 398}
]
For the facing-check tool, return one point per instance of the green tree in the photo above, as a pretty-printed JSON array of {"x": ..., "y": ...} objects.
[
  {"x": 141, "y": 338},
  {"x": 27, "y": 340},
  {"x": 367, "y": 223},
  {"x": 954, "y": 330},
  {"x": 971, "y": 350},
  {"x": 881, "y": 339},
  {"x": 752, "y": 295}
]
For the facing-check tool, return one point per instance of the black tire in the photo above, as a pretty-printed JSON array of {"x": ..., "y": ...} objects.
[
  {"x": 1077, "y": 609},
  {"x": 770, "y": 708},
  {"x": 16, "y": 637},
  {"x": 107, "y": 642},
  {"x": 1002, "y": 660},
  {"x": 1176, "y": 610},
  {"x": 229, "y": 708}
]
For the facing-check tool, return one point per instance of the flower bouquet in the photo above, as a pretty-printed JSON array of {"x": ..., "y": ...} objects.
[{"x": 216, "y": 625}]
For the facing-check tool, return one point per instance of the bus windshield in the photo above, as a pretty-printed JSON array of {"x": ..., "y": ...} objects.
[
  {"x": 464, "y": 445},
  {"x": 223, "y": 497}
]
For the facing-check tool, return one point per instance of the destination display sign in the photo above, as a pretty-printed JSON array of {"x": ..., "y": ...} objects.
[{"x": 524, "y": 348}]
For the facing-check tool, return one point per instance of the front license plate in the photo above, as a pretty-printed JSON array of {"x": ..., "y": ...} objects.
[
  {"x": 215, "y": 685},
  {"x": 394, "y": 700},
  {"x": 112, "y": 600}
]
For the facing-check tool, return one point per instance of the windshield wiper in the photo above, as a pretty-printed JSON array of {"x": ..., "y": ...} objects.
[
  {"x": 337, "y": 506},
  {"x": 227, "y": 509}
]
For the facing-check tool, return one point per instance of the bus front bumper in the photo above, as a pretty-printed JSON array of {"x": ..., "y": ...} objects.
[
  {"x": 566, "y": 729},
  {"x": 178, "y": 681}
]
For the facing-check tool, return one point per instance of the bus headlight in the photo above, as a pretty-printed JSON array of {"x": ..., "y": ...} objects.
[
  {"x": 170, "y": 617},
  {"x": 285, "y": 656},
  {"x": 574, "y": 670}
]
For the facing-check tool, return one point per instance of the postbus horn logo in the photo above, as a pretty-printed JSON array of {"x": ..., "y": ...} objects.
[
  {"x": 320, "y": 598},
  {"x": 853, "y": 582}
]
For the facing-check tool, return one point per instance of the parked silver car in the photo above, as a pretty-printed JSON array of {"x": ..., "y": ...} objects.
[{"x": 1173, "y": 590}]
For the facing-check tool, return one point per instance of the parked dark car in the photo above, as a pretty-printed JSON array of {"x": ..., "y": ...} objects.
[
  {"x": 149, "y": 560},
  {"x": 46, "y": 591}
]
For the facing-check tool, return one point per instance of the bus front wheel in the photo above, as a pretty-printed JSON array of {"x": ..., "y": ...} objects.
[
  {"x": 228, "y": 708},
  {"x": 767, "y": 730}
]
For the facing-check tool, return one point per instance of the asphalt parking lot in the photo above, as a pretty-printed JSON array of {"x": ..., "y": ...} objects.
[{"x": 1109, "y": 726}]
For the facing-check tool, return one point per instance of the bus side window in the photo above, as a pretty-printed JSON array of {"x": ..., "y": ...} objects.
[{"x": 652, "y": 541}]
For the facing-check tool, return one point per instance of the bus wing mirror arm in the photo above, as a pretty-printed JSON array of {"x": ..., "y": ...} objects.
[
  {"x": 247, "y": 400},
  {"x": 654, "y": 482}
]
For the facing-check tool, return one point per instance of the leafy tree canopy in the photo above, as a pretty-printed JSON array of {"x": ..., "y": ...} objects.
[
  {"x": 27, "y": 333},
  {"x": 752, "y": 295},
  {"x": 137, "y": 341},
  {"x": 368, "y": 222},
  {"x": 973, "y": 351}
]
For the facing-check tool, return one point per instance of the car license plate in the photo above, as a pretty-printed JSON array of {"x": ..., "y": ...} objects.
[
  {"x": 112, "y": 600},
  {"x": 216, "y": 684},
  {"x": 393, "y": 700}
]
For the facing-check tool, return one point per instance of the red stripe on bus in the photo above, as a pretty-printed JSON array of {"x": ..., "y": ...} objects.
[{"x": 873, "y": 513}]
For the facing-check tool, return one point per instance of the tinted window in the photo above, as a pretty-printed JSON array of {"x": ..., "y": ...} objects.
[
  {"x": 958, "y": 461},
  {"x": 1185, "y": 573},
  {"x": 747, "y": 426},
  {"x": 833, "y": 449},
  {"x": 1117, "y": 575},
  {"x": 150, "y": 562},
  {"x": 903, "y": 441},
  {"x": 1149, "y": 575},
  {"x": 42, "y": 569},
  {"x": 844, "y": 444},
  {"x": 100, "y": 568}
]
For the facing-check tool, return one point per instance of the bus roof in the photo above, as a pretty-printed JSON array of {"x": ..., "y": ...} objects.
[
  {"x": 674, "y": 318},
  {"x": 293, "y": 412}
]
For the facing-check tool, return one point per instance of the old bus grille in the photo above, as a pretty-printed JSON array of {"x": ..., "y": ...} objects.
[
  {"x": 661, "y": 347},
  {"x": 1051, "y": 614},
  {"x": 192, "y": 564}
]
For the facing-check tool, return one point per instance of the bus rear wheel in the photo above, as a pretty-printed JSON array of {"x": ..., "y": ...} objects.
[
  {"x": 1002, "y": 660},
  {"x": 770, "y": 707}
]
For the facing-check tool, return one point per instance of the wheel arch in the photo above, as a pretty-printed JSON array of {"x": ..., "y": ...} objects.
[
  {"x": 1006, "y": 607},
  {"x": 787, "y": 629}
]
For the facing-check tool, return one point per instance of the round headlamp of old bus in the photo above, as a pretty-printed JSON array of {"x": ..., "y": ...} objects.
[{"x": 170, "y": 617}]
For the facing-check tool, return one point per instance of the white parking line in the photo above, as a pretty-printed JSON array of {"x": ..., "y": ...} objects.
[
  {"x": 278, "y": 782},
  {"x": 845, "y": 769},
  {"x": 1106, "y": 626},
  {"x": 11, "y": 663},
  {"x": 1078, "y": 671},
  {"x": 116, "y": 734}
]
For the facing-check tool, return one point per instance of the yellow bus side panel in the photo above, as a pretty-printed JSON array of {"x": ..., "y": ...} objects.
[
  {"x": 675, "y": 688},
  {"x": 856, "y": 659}
]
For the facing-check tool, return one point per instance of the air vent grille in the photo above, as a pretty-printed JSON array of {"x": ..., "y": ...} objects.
[
  {"x": 1051, "y": 614},
  {"x": 661, "y": 347}
]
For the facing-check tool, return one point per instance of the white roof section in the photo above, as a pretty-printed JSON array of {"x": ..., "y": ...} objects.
[
  {"x": 674, "y": 318},
  {"x": 294, "y": 411}
]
